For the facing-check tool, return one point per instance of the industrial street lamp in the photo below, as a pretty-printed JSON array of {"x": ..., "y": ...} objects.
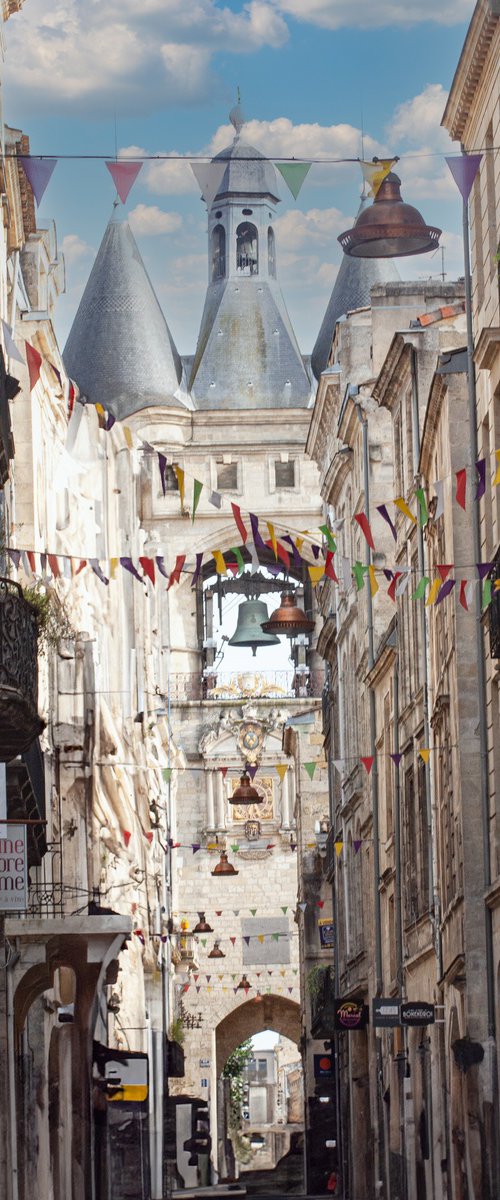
[{"x": 389, "y": 228}]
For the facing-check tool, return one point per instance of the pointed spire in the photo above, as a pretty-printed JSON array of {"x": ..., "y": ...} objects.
[
  {"x": 355, "y": 279},
  {"x": 120, "y": 350}
]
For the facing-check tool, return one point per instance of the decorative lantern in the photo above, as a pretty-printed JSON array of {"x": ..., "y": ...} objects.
[
  {"x": 288, "y": 619},
  {"x": 389, "y": 228},
  {"x": 224, "y": 867},
  {"x": 245, "y": 793},
  {"x": 202, "y": 925}
]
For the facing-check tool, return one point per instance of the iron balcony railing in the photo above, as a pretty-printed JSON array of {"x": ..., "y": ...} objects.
[{"x": 228, "y": 685}]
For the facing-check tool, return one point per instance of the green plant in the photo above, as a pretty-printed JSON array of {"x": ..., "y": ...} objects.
[
  {"x": 314, "y": 982},
  {"x": 53, "y": 623},
  {"x": 176, "y": 1031},
  {"x": 233, "y": 1070}
]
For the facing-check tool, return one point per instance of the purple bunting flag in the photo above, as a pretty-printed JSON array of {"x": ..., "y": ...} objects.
[
  {"x": 483, "y": 569},
  {"x": 257, "y": 540},
  {"x": 162, "y": 463},
  {"x": 445, "y": 590},
  {"x": 38, "y": 172},
  {"x": 381, "y": 508},
  {"x": 396, "y": 758},
  {"x": 196, "y": 572},
  {"x": 481, "y": 478},
  {"x": 464, "y": 170},
  {"x": 129, "y": 566},
  {"x": 94, "y": 562}
]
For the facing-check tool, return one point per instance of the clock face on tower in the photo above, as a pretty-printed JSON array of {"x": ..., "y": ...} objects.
[{"x": 251, "y": 740}]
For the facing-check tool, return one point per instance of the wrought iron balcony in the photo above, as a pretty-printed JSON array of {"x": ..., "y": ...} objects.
[
  {"x": 228, "y": 685},
  {"x": 20, "y": 723}
]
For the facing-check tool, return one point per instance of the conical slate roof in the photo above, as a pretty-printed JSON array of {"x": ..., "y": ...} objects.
[
  {"x": 356, "y": 278},
  {"x": 120, "y": 351},
  {"x": 247, "y": 173}
]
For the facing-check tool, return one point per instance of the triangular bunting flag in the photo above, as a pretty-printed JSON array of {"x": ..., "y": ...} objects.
[
  {"x": 464, "y": 170},
  {"x": 197, "y": 490},
  {"x": 357, "y": 845},
  {"x": 209, "y": 176},
  {"x": 282, "y": 769},
  {"x": 368, "y": 762},
  {"x": 310, "y": 767},
  {"x": 294, "y": 174},
  {"x": 223, "y": 771},
  {"x": 375, "y": 172},
  {"x": 396, "y": 758},
  {"x": 425, "y": 755},
  {"x": 11, "y": 349},
  {"x": 38, "y": 172},
  {"x": 338, "y": 848},
  {"x": 34, "y": 361},
  {"x": 124, "y": 175}
]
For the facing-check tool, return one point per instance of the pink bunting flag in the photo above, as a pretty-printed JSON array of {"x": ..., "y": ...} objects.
[
  {"x": 364, "y": 525},
  {"x": 368, "y": 762},
  {"x": 38, "y": 172},
  {"x": 124, "y": 175}
]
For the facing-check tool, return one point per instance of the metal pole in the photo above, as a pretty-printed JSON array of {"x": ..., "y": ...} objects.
[{"x": 375, "y": 808}]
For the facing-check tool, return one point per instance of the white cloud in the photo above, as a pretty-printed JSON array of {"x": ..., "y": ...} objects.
[
  {"x": 419, "y": 119},
  {"x": 318, "y": 227},
  {"x": 75, "y": 249},
  {"x": 119, "y": 55},
  {"x": 282, "y": 138},
  {"x": 369, "y": 14},
  {"x": 147, "y": 220}
]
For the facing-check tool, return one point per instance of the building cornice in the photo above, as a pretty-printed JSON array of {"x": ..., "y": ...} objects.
[
  {"x": 337, "y": 473},
  {"x": 387, "y": 388},
  {"x": 321, "y": 420},
  {"x": 431, "y": 421},
  {"x": 470, "y": 67}
]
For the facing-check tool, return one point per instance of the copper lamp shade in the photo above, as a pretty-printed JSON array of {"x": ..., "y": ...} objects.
[
  {"x": 202, "y": 926},
  {"x": 244, "y": 983},
  {"x": 224, "y": 867},
  {"x": 389, "y": 228},
  {"x": 245, "y": 793},
  {"x": 288, "y": 619},
  {"x": 216, "y": 951}
]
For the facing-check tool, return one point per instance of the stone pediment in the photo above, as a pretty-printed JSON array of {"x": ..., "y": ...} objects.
[{"x": 243, "y": 734}]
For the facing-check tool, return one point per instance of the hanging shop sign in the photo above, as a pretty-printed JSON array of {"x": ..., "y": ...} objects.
[
  {"x": 13, "y": 868},
  {"x": 350, "y": 1015},
  {"x": 326, "y": 932},
  {"x": 386, "y": 1013},
  {"x": 323, "y": 1066},
  {"x": 417, "y": 1012}
]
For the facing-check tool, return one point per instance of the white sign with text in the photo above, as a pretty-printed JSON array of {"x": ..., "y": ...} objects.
[{"x": 13, "y": 868}]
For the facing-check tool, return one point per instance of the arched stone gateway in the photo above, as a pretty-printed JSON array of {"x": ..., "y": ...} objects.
[{"x": 253, "y": 1016}]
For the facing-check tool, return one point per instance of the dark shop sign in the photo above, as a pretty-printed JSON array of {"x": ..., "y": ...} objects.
[
  {"x": 417, "y": 1012},
  {"x": 386, "y": 1013},
  {"x": 350, "y": 1015}
]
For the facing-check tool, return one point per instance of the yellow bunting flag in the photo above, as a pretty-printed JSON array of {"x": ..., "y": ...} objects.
[
  {"x": 299, "y": 542},
  {"x": 260, "y": 937},
  {"x": 425, "y": 755},
  {"x": 220, "y": 565},
  {"x": 338, "y": 848},
  {"x": 373, "y": 580},
  {"x": 127, "y": 433},
  {"x": 496, "y": 480},
  {"x": 272, "y": 535},
  {"x": 282, "y": 769},
  {"x": 433, "y": 592},
  {"x": 374, "y": 173},
  {"x": 179, "y": 475},
  {"x": 403, "y": 507},
  {"x": 316, "y": 573},
  {"x": 113, "y": 564},
  {"x": 99, "y": 409}
]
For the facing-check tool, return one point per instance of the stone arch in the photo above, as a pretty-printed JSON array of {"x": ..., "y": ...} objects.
[{"x": 254, "y": 1016}]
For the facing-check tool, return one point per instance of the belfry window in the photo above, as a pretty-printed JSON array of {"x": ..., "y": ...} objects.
[
  {"x": 247, "y": 249},
  {"x": 218, "y": 252},
  {"x": 271, "y": 252}
]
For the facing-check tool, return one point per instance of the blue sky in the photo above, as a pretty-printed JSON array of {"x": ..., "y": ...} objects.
[{"x": 311, "y": 73}]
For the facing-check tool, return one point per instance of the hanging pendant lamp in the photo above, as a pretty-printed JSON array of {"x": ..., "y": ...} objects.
[
  {"x": 244, "y": 984},
  {"x": 216, "y": 951},
  {"x": 288, "y": 619},
  {"x": 202, "y": 925},
  {"x": 389, "y": 228},
  {"x": 245, "y": 793},
  {"x": 224, "y": 867}
]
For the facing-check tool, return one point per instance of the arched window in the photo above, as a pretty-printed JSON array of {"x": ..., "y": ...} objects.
[
  {"x": 247, "y": 249},
  {"x": 271, "y": 252},
  {"x": 218, "y": 252}
]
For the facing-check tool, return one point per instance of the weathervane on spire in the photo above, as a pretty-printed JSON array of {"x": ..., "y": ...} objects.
[{"x": 237, "y": 116}]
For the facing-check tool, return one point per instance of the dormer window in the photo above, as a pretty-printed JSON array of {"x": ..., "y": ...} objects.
[
  {"x": 247, "y": 249},
  {"x": 218, "y": 252},
  {"x": 271, "y": 252}
]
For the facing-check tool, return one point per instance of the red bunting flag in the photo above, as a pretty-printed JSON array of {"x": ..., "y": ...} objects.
[
  {"x": 124, "y": 175},
  {"x": 149, "y": 837},
  {"x": 391, "y": 590},
  {"x": 329, "y": 567},
  {"x": 176, "y": 573},
  {"x": 126, "y": 836},
  {"x": 368, "y": 762},
  {"x": 54, "y": 565},
  {"x": 364, "y": 525},
  {"x": 460, "y": 494},
  {"x": 223, "y": 772},
  {"x": 444, "y": 570},
  {"x": 34, "y": 361},
  {"x": 239, "y": 522},
  {"x": 148, "y": 567}
]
